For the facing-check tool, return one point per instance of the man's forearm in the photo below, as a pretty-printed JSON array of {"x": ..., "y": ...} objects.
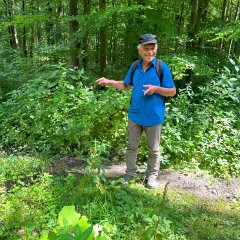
[
  {"x": 113, "y": 83},
  {"x": 118, "y": 85},
  {"x": 166, "y": 92}
]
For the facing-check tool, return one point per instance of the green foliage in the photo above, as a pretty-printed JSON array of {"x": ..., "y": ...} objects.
[
  {"x": 111, "y": 121},
  {"x": 228, "y": 31},
  {"x": 44, "y": 208},
  {"x": 57, "y": 114},
  {"x": 158, "y": 227},
  {"x": 28, "y": 204},
  {"x": 95, "y": 168},
  {"x": 203, "y": 127},
  {"x": 72, "y": 226},
  {"x": 60, "y": 115},
  {"x": 18, "y": 168},
  {"x": 185, "y": 65},
  {"x": 15, "y": 71},
  {"x": 47, "y": 115}
]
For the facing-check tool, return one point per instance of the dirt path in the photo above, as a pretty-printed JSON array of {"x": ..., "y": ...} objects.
[{"x": 199, "y": 185}]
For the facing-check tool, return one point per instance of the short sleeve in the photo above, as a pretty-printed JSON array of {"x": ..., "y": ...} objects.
[
  {"x": 127, "y": 79},
  {"x": 167, "y": 80}
]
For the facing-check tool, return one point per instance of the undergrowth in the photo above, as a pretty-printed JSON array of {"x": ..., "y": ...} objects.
[
  {"x": 35, "y": 208},
  {"x": 58, "y": 115}
]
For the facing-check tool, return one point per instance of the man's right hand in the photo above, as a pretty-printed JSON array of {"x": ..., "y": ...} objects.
[
  {"x": 113, "y": 83},
  {"x": 103, "y": 81}
]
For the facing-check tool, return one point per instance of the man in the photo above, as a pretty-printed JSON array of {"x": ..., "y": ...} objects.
[{"x": 147, "y": 109}]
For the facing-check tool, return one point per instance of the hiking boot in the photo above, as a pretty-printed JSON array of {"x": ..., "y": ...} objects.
[
  {"x": 128, "y": 178},
  {"x": 152, "y": 182}
]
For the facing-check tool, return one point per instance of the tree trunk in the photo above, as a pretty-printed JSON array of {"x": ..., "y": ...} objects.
[
  {"x": 59, "y": 30},
  {"x": 237, "y": 13},
  {"x": 236, "y": 17},
  {"x": 191, "y": 33},
  {"x": 49, "y": 26},
  {"x": 103, "y": 41},
  {"x": 13, "y": 38},
  {"x": 223, "y": 18},
  {"x": 179, "y": 21},
  {"x": 130, "y": 45},
  {"x": 202, "y": 15},
  {"x": 38, "y": 27},
  {"x": 85, "y": 44},
  {"x": 224, "y": 10},
  {"x": 198, "y": 15},
  {"x": 31, "y": 46},
  {"x": 73, "y": 28},
  {"x": 24, "y": 43},
  {"x": 113, "y": 40}
]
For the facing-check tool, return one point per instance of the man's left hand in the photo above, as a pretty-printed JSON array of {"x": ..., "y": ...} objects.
[{"x": 151, "y": 89}]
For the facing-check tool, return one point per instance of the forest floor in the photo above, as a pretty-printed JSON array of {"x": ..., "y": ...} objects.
[{"x": 199, "y": 184}]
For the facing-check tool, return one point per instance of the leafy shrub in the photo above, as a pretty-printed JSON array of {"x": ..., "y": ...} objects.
[
  {"x": 184, "y": 64},
  {"x": 15, "y": 71},
  {"x": 27, "y": 204},
  {"x": 197, "y": 69},
  {"x": 58, "y": 115},
  {"x": 111, "y": 121},
  {"x": 202, "y": 127},
  {"x": 48, "y": 116},
  {"x": 13, "y": 168},
  {"x": 61, "y": 116},
  {"x": 158, "y": 227}
]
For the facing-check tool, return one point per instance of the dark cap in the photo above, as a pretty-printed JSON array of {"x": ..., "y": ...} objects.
[{"x": 147, "y": 39}]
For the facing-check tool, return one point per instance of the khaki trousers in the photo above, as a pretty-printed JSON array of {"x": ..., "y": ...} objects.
[{"x": 153, "y": 134}]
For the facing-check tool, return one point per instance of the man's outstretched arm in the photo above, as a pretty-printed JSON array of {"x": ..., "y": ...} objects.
[{"x": 112, "y": 83}]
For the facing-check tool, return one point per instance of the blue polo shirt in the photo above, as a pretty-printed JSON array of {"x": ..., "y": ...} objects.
[{"x": 147, "y": 110}]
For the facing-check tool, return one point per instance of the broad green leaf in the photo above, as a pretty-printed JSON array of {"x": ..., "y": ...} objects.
[
  {"x": 87, "y": 233},
  {"x": 52, "y": 236},
  {"x": 45, "y": 237},
  {"x": 83, "y": 223},
  {"x": 68, "y": 213},
  {"x": 66, "y": 237},
  {"x": 77, "y": 232}
]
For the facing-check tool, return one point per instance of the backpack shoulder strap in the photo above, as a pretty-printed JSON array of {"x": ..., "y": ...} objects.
[
  {"x": 159, "y": 70},
  {"x": 135, "y": 64}
]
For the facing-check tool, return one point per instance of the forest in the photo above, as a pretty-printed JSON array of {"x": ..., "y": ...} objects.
[{"x": 53, "y": 113}]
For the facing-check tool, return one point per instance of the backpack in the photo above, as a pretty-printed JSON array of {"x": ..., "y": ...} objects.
[{"x": 158, "y": 69}]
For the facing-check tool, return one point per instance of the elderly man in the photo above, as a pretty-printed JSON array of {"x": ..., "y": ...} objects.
[{"x": 147, "y": 109}]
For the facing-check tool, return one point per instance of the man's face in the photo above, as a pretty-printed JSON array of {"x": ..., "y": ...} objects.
[{"x": 148, "y": 52}]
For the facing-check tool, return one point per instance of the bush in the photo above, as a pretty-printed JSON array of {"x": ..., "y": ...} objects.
[
  {"x": 58, "y": 115},
  {"x": 61, "y": 116},
  {"x": 18, "y": 168},
  {"x": 48, "y": 116},
  {"x": 201, "y": 128},
  {"x": 27, "y": 204}
]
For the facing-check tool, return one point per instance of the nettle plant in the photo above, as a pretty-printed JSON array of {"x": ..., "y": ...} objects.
[
  {"x": 158, "y": 227},
  {"x": 58, "y": 114},
  {"x": 95, "y": 169},
  {"x": 51, "y": 114}
]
